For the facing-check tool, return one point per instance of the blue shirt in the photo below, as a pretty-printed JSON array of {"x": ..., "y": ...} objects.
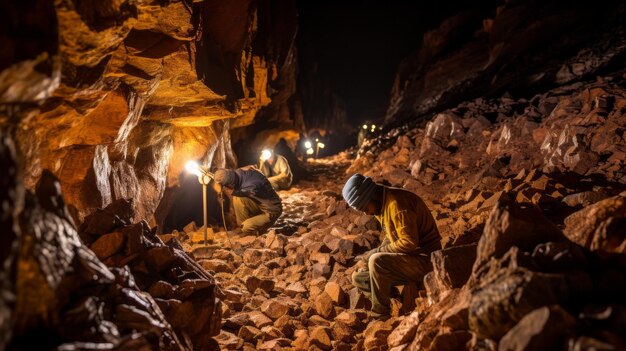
[{"x": 254, "y": 185}]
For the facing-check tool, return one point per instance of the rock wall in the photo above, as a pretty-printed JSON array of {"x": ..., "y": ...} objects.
[
  {"x": 142, "y": 87},
  {"x": 101, "y": 104},
  {"x": 521, "y": 47},
  {"x": 529, "y": 196}
]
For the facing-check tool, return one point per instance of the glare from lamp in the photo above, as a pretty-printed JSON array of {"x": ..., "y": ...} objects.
[
  {"x": 307, "y": 144},
  {"x": 309, "y": 151},
  {"x": 373, "y": 126},
  {"x": 365, "y": 126},
  {"x": 193, "y": 168},
  {"x": 321, "y": 145},
  {"x": 265, "y": 155}
]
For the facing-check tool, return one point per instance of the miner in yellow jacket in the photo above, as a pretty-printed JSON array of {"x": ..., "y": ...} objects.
[
  {"x": 411, "y": 234},
  {"x": 276, "y": 168}
]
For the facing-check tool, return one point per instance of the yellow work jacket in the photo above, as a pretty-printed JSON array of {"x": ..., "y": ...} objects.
[{"x": 407, "y": 223}]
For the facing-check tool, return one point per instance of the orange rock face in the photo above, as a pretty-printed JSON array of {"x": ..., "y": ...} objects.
[{"x": 143, "y": 87}]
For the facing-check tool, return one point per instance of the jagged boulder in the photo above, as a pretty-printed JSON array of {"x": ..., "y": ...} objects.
[
  {"x": 59, "y": 279},
  {"x": 511, "y": 225},
  {"x": 600, "y": 227},
  {"x": 542, "y": 329},
  {"x": 502, "y": 300}
]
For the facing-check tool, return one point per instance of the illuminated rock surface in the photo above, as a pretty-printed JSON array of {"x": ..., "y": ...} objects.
[{"x": 515, "y": 136}]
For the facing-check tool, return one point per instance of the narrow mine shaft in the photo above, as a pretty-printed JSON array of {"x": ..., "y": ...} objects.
[{"x": 312, "y": 175}]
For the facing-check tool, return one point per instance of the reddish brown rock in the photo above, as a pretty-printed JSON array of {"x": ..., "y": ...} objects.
[
  {"x": 358, "y": 299},
  {"x": 258, "y": 319},
  {"x": 335, "y": 292},
  {"x": 275, "y": 309},
  {"x": 253, "y": 283},
  {"x": 321, "y": 337},
  {"x": 511, "y": 225},
  {"x": 599, "y": 227},
  {"x": 324, "y": 305},
  {"x": 108, "y": 244},
  {"x": 542, "y": 329}
]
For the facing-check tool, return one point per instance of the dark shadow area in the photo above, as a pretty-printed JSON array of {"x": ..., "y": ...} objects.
[
  {"x": 349, "y": 52},
  {"x": 183, "y": 205}
]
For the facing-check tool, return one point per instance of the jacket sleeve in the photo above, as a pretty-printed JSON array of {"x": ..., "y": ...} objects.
[{"x": 405, "y": 224}]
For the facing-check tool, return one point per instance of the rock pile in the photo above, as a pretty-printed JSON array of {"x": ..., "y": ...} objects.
[
  {"x": 293, "y": 290},
  {"x": 131, "y": 291},
  {"x": 529, "y": 196}
]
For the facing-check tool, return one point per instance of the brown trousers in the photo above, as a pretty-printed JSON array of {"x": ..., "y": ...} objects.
[
  {"x": 251, "y": 217},
  {"x": 387, "y": 270}
]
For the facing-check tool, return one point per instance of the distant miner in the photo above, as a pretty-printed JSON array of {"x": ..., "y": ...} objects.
[
  {"x": 257, "y": 206},
  {"x": 276, "y": 168},
  {"x": 411, "y": 234}
]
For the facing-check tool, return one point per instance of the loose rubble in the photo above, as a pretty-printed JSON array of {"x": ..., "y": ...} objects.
[
  {"x": 529, "y": 197},
  {"x": 531, "y": 209}
]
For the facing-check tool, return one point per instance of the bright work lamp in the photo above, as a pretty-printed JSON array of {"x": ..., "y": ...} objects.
[
  {"x": 308, "y": 145},
  {"x": 204, "y": 178},
  {"x": 265, "y": 155}
]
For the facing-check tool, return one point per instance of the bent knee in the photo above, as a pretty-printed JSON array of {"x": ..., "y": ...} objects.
[{"x": 378, "y": 262}]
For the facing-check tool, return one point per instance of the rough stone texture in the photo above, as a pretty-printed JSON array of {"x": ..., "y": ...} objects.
[
  {"x": 452, "y": 66},
  {"x": 147, "y": 86},
  {"x": 600, "y": 227},
  {"x": 541, "y": 329},
  {"x": 59, "y": 293},
  {"x": 509, "y": 225},
  {"x": 452, "y": 267},
  {"x": 498, "y": 305},
  {"x": 509, "y": 175}
]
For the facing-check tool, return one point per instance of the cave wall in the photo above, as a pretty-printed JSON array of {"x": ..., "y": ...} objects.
[
  {"x": 520, "y": 47},
  {"x": 139, "y": 88}
]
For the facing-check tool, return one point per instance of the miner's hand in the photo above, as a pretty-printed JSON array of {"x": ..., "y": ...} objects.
[
  {"x": 365, "y": 257},
  {"x": 217, "y": 187}
]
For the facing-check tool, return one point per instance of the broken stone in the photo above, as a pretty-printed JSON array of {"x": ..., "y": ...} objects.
[
  {"x": 109, "y": 244},
  {"x": 376, "y": 333},
  {"x": 258, "y": 319},
  {"x": 599, "y": 227},
  {"x": 511, "y": 225},
  {"x": 321, "y": 337},
  {"x": 254, "y": 257},
  {"x": 335, "y": 292},
  {"x": 405, "y": 332},
  {"x": 275, "y": 309},
  {"x": 342, "y": 332},
  {"x": 248, "y": 333},
  {"x": 501, "y": 302},
  {"x": 541, "y": 329},
  {"x": 453, "y": 266},
  {"x": 217, "y": 266},
  {"x": 295, "y": 289},
  {"x": 324, "y": 305},
  {"x": 358, "y": 299},
  {"x": 253, "y": 283}
]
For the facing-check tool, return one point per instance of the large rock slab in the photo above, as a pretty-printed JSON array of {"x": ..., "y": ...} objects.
[
  {"x": 511, "y": 225},
  {"x": 505, "y": 298},
  {"x": 542, "y": 329},
  {"x": 600, "y": 227}
]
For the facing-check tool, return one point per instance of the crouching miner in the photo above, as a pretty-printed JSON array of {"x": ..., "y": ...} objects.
[
  {"x": 256, "y": 204},
  {"x": 411, "y": 234}
]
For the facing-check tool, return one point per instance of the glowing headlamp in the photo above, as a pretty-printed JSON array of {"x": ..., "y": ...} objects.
[{"x": 265, "y": 155}]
